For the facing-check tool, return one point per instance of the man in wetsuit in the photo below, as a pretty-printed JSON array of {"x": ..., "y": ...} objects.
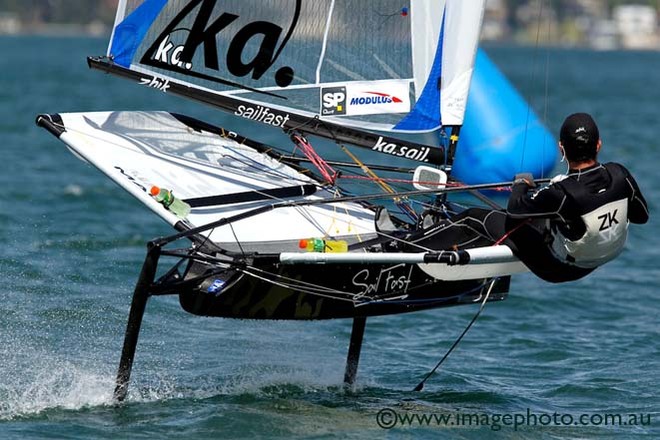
[{"x": 565, "y": 230}]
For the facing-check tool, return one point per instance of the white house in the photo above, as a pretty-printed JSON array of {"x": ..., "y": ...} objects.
[{"x": 637, "y": 26}]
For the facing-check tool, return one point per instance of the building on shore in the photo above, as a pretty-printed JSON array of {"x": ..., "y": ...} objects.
[
  {"x": 9, "y": 23},
  {"x": 570, "y": 23},
  {"x": 637, "y": 26},
  {"x": 582, "y": 23}
]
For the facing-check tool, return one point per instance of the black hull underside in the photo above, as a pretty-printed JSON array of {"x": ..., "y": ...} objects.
[{"x": 275, "y": 291}]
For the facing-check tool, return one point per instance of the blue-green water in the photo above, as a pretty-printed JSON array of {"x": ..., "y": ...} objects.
[{"x": 72, "y": 245}]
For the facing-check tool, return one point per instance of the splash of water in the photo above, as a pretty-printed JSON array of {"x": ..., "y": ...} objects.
[{"x": 49, "y": 384}]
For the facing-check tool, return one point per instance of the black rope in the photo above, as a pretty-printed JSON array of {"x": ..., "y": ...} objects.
[{"x": 420, "y": 385}]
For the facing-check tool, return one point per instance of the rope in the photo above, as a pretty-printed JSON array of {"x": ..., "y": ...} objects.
[
  {"x": 420, "y": 386},
  {"x": 508, "y": 233},
  {"x": 411, "y": 182},
  {"x": 401, "y": 203},
  {"x": 328, "y": 173}
]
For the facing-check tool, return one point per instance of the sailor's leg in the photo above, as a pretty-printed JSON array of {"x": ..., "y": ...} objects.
[
  {"x": 489, "y": 223},
  {"x": 354, "y": 348},
  {"x": 138, "y": 305},
  {"x": 468, "y": 229},
  {"x": 529, "y": 243},
  {"x": 471, "y": 228}
]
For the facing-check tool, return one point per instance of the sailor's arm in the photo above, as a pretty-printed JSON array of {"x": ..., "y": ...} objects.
[
  {"x": 638, "y": 210},
  {"x": 545, "y": 202}
]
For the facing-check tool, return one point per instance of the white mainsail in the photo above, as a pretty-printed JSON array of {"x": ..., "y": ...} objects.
[
  {"x": 287, "y": 64},
  {"x": 374, "y": 65},
  {"x": 340, "y": 69}
]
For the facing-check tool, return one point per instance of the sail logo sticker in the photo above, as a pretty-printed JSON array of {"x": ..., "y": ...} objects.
[
  {"x": 366, "y": 98},
  {"x": 166, "y": 55},
  {"x": 134, "y": 178},
  {"x": 262, "y": 114},
  {"x": 251, "y": 48},
  {"x": 420, "y": 154},
  {"x": 333, "y": 101},
  {"x": 371, "y": 103},
  {"x": 375, "y": 98},
  {"x": 161, "y": 84}
]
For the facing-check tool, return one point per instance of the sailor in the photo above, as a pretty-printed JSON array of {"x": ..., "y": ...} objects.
[{"x": 565, "y": 230}]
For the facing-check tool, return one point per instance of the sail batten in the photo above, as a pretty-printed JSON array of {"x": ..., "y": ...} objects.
[
  {"x": 325, "y": 41},
  {"x": 377, "y": 65}
]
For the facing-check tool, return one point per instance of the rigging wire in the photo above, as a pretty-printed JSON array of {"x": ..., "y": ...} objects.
[
  {"x": 328, "y": 173},
  {"x": 545, "y": 98},
  {"x": 420, "y": 385},
  {"x": 426, "y": 301},
  {"x": 533, "y": 81},
  {"x": 411, "y": 182},
  {"x": 239, "y": 157},
  {"x": 402, "y": 203},
  {"x": 238, "y": 243},
  {"x": 357, "y": 299}
]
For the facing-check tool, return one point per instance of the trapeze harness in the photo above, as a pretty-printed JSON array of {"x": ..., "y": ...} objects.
[
  {"x": 561, "y": 232},
  {"x": 577, "y": 223},
  {"x": 605, "y": 218}
]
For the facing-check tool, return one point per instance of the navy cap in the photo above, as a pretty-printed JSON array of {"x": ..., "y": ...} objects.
[{"x": 579, "y": 135}]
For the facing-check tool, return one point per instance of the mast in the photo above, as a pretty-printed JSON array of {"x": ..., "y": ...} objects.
[{"x": 453, "y": 145}]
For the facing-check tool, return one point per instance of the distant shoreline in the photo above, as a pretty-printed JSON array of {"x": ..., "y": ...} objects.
[
  {"x": 101, "y": 31},
  {"x": 96, "y": 29}
]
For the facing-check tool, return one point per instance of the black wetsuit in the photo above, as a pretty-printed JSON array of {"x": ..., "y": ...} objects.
[
  {"x": 535, "y": 218},
  {"x": 558, "y": 208}
]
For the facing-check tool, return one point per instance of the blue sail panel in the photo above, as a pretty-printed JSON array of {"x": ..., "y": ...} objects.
[
  {"x": 425, "y": 115},
  {"x": 131, "y": 31},
  {"x": 502, "y": 135}
]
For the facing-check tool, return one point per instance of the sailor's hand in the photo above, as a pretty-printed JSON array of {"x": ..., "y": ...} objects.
[
  {"x": 558, "y": 178},
  {"x": 525, "y": 178}
]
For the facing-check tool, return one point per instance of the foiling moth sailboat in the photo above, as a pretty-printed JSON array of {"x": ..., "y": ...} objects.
[{"x": 349, "y": 83}]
